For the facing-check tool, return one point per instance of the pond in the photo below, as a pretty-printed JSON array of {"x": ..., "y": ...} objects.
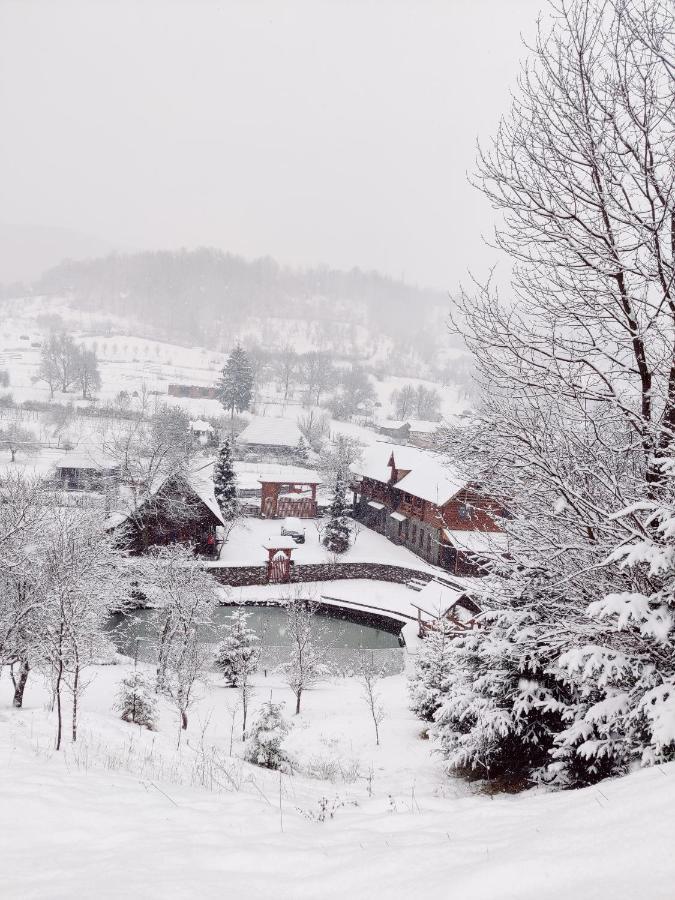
[{"x": 341, "y": 640}]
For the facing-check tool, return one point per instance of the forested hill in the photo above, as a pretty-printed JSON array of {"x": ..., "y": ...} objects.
[{"x": 208, "y": 295}]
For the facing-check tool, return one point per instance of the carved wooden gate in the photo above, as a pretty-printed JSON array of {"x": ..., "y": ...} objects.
[{"x": 279, "y": 569}]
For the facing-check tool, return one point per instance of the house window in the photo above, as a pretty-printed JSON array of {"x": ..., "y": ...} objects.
[
  {"x": 464, "y": 511},
  {"x": 421, "y": 538},
  {"x": 400, "y": 529},
  {"x": 428, "y": 544},
  {"x": 414, "y": 532}
]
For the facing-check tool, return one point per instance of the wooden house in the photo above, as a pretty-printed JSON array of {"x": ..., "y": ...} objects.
[
  {"x": 446, "y": 604},
  {"x": 414, "y": 499},
  {"x": 86, "y": 471},
  {"x": 179, "y": 508},
  {"x": 270, "y": 439}
]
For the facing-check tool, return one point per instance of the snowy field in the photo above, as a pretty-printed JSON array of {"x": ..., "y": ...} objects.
[{"x": 123, "y": 813}]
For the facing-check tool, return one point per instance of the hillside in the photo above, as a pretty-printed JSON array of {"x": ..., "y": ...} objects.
[{"x": 207, "y": 297}]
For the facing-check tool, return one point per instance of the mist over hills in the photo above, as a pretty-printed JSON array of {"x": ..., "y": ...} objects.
[{"x": 206, "y": 296}]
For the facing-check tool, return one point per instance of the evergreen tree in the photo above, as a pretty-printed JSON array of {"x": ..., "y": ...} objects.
[
  {"x": 238, "y": 653},
  {"x": 336, "y": 533},
  {"x": 225, "y": 485},
  {"x": 267, "y": 734},
  {"x": 430, "y": 677},
  {"x": 235, "y": 387},
  {"x": 136, "y": 701},
  {"x": 302, "y": 451}
]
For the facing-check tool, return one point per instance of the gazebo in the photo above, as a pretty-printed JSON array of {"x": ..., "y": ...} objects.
[
  {"x": 291, "y": 492},
  {"x": 279, "y": 549}
]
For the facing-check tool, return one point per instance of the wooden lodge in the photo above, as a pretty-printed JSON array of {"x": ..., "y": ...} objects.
[
  {"x": 413, "y": 499},
  {"x": 84, "y": 471},
  {"x": 180, "y": 509}
]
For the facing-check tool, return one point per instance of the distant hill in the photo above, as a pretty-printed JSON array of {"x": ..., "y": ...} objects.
[{"x": 208, "y": 297}]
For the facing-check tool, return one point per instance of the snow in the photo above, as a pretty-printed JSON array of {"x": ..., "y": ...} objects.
[
  {"x": 251, "y": 475},
  {"x": 200, "y": 426},
  {"x": 124, "y": 812},
  {"x": 242, "y": 547},
  {"x": 279, "y": 542},
  {"x": 477, "y": 541},
  {"x": 86, "y": 458},
  {"x": 271, "y": 431}
]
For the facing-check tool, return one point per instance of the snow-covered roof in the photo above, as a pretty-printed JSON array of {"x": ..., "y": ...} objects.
[
  {"x": 477, "y": 541},
  {"x": 422, "y": 426},
  {"x": 89, "y": 460},
  {"x": 436, "y": 598},
  {"x": 271, "y": 432},
  {"x": 279, "y": 542},
  {"x": 200, "y": 480},
  {"x": 201, "y": 425},
  {"x": 290, "y": 475},
  {"x": 428, "y": 475},
  {"x": 393, "y": 424}
]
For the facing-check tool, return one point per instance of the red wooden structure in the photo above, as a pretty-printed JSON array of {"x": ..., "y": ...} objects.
[
  {"x": 279, "y": 549},
  {"x": 289, "y": 494}
]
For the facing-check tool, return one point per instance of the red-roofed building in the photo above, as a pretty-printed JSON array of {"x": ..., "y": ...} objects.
[{"x": 414, "y": 499}]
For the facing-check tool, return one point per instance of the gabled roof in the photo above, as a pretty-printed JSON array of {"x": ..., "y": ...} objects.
[
  {"x": 271, "y": 432},
  {"x": 199, "y": 480},
  {"x": 201, "y": 425},
  {"x": 429, "y": 477},
  {"x": 437, "y": 599}
]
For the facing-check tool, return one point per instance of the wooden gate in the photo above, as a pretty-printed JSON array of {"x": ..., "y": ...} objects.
[{"x": 279, "y": 569}]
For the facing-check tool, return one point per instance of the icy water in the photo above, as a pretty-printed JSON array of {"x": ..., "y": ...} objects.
[{"x": 135, "y": 634}]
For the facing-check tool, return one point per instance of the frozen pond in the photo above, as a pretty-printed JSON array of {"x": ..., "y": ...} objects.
[{"x": 341, "y": 640}]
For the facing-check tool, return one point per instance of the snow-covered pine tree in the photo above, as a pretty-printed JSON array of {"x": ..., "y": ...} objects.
[
  {"x": 238, "y": 653},
  {"x": 235, "y": 387},
  {"x": 302, "y": 450},
  {"x": 428, "y": 682},
  {"x": 136, "y": 701},
  {"x": 264, "y": 746},
  {"x": 337, "y": 532},
  {"x": 225, "y": 484}
]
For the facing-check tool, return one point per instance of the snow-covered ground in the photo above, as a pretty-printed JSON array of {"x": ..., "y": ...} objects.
[
  {"x": 122, "y": 813},
  {"x": 244, "y": 546}
]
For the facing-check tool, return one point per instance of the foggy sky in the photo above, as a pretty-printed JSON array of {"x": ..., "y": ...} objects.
[{"x": 315, "y": 132}]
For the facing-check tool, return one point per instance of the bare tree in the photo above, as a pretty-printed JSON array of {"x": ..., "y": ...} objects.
[
  {"x": 304, "y": 666},
  {"x": 369, "y": 676},
  {"x": 16, "y": 438}
]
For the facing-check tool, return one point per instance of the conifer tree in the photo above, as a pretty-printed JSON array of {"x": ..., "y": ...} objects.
[
  {"x": 336, "y": 534},
  {"x": 267, "y": 734},
  {"x": 238, "y": 652},
  {"x": 136, "y": 702},
  {"x": 225, "y": 484},
  {"x": 235, "y": 387}
]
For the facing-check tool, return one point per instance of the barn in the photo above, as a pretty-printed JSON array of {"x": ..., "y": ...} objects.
[{"x": 270, "y": 439}]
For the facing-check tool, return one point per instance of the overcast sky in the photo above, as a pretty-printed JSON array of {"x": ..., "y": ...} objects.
[{"x": 316, "y": 132}]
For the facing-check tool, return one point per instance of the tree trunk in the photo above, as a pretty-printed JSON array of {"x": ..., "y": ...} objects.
[
  {"x": 12, "y": 450},
  {"x": 183, "y": 720},
  {"x": 298, "y": 695},
  {"x": 76, "y": 686},
  {"x": 59, "y": 715},
  {"x": 20, "y": 685}
]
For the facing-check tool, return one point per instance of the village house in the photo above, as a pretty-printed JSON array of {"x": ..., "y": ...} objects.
[
  {"x": 411, "y": 497},
  {"x": 86, "y": 471},
  {"x": 396, "y": 430},
  {"x": 179, "y": 508},
  {"x": 270, "y": 439}
]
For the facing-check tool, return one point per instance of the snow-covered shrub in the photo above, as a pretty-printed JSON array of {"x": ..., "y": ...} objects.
[
  {"x": 264, "y": 745},
  {"x": 238, "y": 653},
  {"x": 136, "y": 702}
]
